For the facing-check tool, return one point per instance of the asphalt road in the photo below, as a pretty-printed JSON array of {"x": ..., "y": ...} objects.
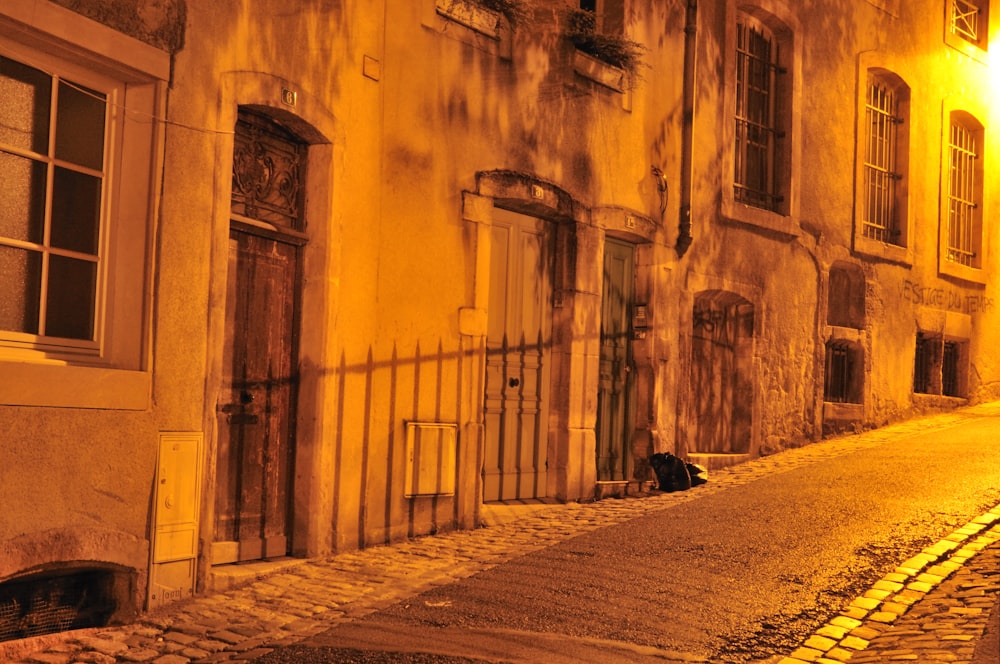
[{"x": 736, "y": 576}]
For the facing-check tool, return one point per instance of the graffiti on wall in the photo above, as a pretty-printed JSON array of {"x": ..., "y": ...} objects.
[{"x": 945, "y": 298}]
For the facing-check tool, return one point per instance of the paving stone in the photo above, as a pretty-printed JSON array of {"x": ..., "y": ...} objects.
[
  {"x": 95, "y": 657},
  {"x": 139, "y": 655},
  {"x": 50, "y": 658},
  {"x": 171, "y": 659},
  {"x": 226, "y": 637},
  {"x": 179, "y": 637}
]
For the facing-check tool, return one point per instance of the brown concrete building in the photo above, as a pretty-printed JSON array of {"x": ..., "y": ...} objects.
[{"x": 285, "y": 278}]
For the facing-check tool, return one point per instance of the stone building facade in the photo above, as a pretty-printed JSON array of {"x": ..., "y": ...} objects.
[{"x": 312, "y": 276}]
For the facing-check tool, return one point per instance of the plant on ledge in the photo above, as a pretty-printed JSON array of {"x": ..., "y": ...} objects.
[
  {"x": 616, "y": 50},
  {"x": 517, "y": 12}
]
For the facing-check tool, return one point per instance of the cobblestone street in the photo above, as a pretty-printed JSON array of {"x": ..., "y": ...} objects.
[{"x": 933, "y": 607}]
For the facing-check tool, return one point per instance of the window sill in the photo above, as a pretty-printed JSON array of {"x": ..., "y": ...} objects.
[
  {"x": 472, "y": 15},
  {"x": 64, "y": 386},
  {"x": 599, "y": 72},
  {"x": 892, "y": 253},
  {"x": 748, "y": 215},
  {"x": 962, "y": 45},
  {"x": 843, "y": 412},
  {"x": 957, "y": 271}
]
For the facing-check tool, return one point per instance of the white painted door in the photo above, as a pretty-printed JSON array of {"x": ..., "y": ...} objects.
[{"x": 518, "y": 348}]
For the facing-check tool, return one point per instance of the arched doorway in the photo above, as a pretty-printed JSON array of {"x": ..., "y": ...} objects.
[
  {"x": 257, "y": 395},
  {"x": 721, "y": 385}
]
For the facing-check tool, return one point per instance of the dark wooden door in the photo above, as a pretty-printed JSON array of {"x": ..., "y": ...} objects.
[
  {"x": 614, "y": 400},
  {"x": 256, "y": 409}
]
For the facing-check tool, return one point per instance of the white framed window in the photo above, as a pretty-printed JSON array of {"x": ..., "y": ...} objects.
[
  {"x": 55, "y": 144},
  {"x": 78, "y": 157}
]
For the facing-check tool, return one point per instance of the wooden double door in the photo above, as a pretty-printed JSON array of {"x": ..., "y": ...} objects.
[{"x": 256, "y": 408}]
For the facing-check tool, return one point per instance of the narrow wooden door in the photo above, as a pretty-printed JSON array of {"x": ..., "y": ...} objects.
[
  {"x": 614, "y": 416},
  {"x": 256, "y": 410},
  {"x": 518, "y": 347}
]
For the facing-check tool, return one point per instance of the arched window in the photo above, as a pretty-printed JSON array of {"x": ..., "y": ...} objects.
[
  {"x": 760, "y": 115},
  {"x": 884, "y": 153},
  {"x": 964, "y": 190}
]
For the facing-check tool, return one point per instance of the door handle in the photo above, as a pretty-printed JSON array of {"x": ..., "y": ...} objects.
[
  {"x": 246, "y": 397},
  {"x": 514, "y": 382}
]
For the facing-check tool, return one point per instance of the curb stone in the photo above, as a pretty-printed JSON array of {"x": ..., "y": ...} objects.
[{"x": 854, "y": 634}]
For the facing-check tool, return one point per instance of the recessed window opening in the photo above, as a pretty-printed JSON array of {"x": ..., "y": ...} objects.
[
  {"x": 937, "y": 365},
  {"x": 962, "y": 195},
  {"x": 52, "y": 155},
  {"x": 755, "y": 179},
  {"x": 880, "y": 220},
  {"x": 965, "y": 20},
  {"x": 846, "y": 296},
  {"x": 924, "y": 362},
  {"x": 841, "y": 366},
  {"x": 950, "y": 382}
]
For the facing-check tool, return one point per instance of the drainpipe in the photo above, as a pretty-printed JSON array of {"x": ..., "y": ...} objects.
[{"x": 684, "y": 237}]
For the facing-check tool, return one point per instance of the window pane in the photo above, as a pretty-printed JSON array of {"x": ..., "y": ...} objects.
[
  {"x": 21, "y": 270},
  {"x": 80, "y": 126},
  {"x": 22, "y": 191},
  {"x": 69, "y": 307},
  {"x": 76, "y": 207},
  {"x": 24, "y": 114}
]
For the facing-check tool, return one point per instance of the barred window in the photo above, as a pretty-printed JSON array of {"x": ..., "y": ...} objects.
[
  {"x": 950, "y": 384},
  {"x": 924, "y": 362},
  {"x": 881, "y": 210},
  {"x": 938, "y": 365},
  {"x": 842, "y": 380},
  {"x": 757, "y": 132},
  {"x": 964, "y": 190},
  {"x": 965, "y": 20}
]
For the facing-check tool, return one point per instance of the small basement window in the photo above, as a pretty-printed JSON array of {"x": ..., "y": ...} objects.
[
  {"x": 842, "y": 383},
  {"x": 938, "y": 366},
  {"x": 61, "y": 600}
]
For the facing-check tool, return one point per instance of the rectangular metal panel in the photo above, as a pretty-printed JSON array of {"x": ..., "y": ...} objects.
[
  {"x": 175, "y": 517},
  {"x": 430, "y": 458}
]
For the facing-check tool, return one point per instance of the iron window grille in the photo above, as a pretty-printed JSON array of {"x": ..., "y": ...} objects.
[
  {"x": 52, "y": 155},
  {"x": 962, "y": 189},
  {"x": 950, "y": 383},
  {"x": 755, "y": 157},
  {"x": 923, "y": 364},
  {"x": 880, "y": 220},
  {"x": 840, "y": 368},
  {"x": 965, "y": 20}
]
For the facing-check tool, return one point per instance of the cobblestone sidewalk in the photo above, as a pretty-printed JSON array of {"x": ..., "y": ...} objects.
[{"x": 308, "y": 597}]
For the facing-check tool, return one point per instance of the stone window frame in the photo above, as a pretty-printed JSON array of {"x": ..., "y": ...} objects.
[
  {"x": 116, "y": 372},
  {"x": 786, "y": 28},
  {"x": 940, "y": 365},
  {"x": 872, "y": 68},
  {"x": 956, "y": 34},
  {"x": 469, "y": 23},
  {"x": 966, "y": 116}
]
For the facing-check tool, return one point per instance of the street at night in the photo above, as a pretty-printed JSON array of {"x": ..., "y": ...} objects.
[
  {"x": 740, "y": 573},
  {"x": 742, "y": 569}
]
